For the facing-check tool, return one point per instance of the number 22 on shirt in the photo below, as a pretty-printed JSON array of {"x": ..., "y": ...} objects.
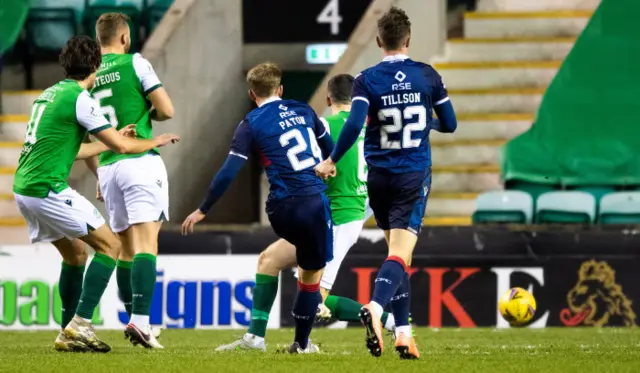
[{"x": 398, "y": 117}]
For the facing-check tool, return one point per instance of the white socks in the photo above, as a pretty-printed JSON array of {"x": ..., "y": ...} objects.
[
  {"x": 391, "y": 322},
  {"x": 376, "y": 308},
  {"x": 404, "y": 329},
  {"x": 141, "y": 321}
]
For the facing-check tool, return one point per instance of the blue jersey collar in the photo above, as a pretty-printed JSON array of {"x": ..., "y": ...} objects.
[
  {"x": 395, "y": 57},
  {"x": 270, "y": 100}
]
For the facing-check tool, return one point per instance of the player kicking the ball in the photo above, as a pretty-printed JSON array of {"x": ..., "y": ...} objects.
[
  {"x": 135, "y": 187},
  {"x": 290, "y": 140},
  {"x": 347, "y": 193},
  {"x": 60, "y": 120},
  {"x": 398, "y": 95}
]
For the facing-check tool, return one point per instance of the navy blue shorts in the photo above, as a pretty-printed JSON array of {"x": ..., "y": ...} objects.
[
  {"x": 306, "y": 223},
  {"x": 398, "y": 201}
]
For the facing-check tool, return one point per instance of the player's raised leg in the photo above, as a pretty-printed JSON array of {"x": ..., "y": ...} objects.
[
  {"x": 277, "y": 257},
  {"x": 398, "y": 202},
  {"x": 74, "y": 260}
]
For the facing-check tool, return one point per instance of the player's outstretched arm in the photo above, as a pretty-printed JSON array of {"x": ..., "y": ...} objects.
[
  {"x": 217, "y": 188},
  {"x": 89, "y": 150},
  {"x": 126, "y": 145},
  {"x": 238, "y": 155},
  {"x": 446, "y": 121}
]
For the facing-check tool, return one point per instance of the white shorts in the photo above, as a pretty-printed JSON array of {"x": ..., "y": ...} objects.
[
  {"x": 63, "y": 215},
  {"x": 135, "y": 190},
  {"x": 344, "y": 237}
]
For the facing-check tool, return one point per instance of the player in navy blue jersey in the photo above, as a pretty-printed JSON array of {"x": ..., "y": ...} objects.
[
  {"x": 398, "y": 95},
  {"x": 290, "y": 140}
]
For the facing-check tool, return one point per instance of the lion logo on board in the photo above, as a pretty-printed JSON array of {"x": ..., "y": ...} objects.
[{"x": 596, "y": 299}]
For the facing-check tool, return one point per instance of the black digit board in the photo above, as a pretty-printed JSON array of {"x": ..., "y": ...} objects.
[{"x": 300, "y": 21}]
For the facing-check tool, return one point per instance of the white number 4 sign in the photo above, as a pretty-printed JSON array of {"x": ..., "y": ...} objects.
[{"x": 331, "y": 15}]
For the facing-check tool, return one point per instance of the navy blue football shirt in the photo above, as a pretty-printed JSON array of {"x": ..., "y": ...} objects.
[
  {"x": 285, "y": 134},
  {"x": 401, "y": 94}
]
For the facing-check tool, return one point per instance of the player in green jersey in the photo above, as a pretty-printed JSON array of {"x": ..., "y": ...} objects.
[
  {"x": 347, "y": 193},
  {"x": 135, "y": 187},
  {"x": 60, "y": 120}
]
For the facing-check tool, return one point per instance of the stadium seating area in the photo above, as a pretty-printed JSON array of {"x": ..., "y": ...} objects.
[
  {"x": 569, "y": 168},
  {"x": 50, "y": 23},
  {"x": 531, "y": 204}
]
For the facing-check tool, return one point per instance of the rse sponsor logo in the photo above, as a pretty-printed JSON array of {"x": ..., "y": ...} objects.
[
  {"x": 401, "y": 86},
  {"x": 187, "y": 304},
  {"x": 596, "y": 299}
]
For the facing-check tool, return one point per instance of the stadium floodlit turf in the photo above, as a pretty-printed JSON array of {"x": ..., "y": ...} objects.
[{"x": 566, "y": 350}]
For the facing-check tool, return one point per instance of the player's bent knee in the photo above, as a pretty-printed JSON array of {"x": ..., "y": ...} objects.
[
  {"x": 104, "y": 241},
  {"x": 401, "y": 244},
  {"x": 128, "y": 250},
  {"x": 266, "y": 264},
  {"x": 80, "y": 258}
]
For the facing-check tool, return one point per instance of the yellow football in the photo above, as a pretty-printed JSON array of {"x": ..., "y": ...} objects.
[{"x": 517, "y": 306}]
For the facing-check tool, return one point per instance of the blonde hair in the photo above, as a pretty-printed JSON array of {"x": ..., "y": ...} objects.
[
  {"x": 108, "y": 26},
  {"x": 264, "y": 79}
]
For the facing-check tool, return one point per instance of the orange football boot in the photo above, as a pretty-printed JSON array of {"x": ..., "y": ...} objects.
[
  {"x": 406, "y": 347},
  {"x": 373, "y": 326}
]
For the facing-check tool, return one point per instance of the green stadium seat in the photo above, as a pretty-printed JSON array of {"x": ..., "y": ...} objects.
[
  {"x": 566, "y": 207},
  {"x": 620, "y": 208},
  {"x": 597, "y": 191},
  {"x": 507, "y": 206},
  {"x": 534, "y": 189},
  {"x": 52, "y": 22},
  {"x": 96, "y": 8}
]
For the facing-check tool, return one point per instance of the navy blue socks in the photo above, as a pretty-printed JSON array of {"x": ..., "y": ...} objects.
[{"x": 304, "y": 311}]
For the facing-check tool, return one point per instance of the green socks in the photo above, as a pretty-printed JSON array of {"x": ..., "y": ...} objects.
[
  {"x": 143, "y": 282},
  {"x": 123, "y": 278},
  {"x": 70, "y": 287},
  {"x": 264, "y": 294},
  {"x": 95, "y": 282},
  {"x": 345, "y": 309}
]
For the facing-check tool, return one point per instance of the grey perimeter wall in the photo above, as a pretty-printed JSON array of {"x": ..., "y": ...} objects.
[{"x": 197, "y": 53}]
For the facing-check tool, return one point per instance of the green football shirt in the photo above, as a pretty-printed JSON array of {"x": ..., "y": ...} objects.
[
  {"x": 123, "y": 83},
  {"x": 347, "y": 192},
  {"x": 60, "y": 119}
]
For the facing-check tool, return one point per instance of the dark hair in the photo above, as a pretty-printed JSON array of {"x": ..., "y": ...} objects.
[
  {"x": 108, "y": 26},
  {"x": 264, "y": 79},
  {"x": 80, "y": 57},
  {"x": 394, "y": 28},
  {"x": 340, "y": 88}
]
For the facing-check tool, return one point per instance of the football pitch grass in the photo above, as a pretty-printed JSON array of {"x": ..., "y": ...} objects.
[{"x": 445, "y": 350}]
